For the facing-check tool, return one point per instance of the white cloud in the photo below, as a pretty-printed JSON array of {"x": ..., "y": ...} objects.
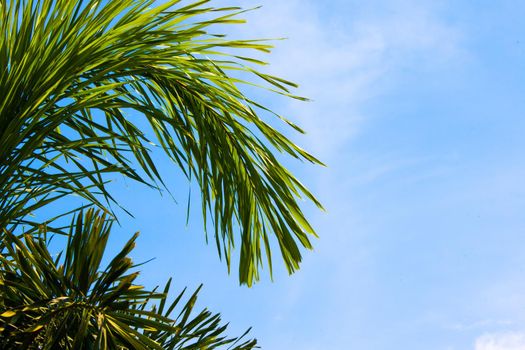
[{"x": 501, "y": 341}]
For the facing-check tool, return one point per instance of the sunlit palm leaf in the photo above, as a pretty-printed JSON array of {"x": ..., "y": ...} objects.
[
  {"x": 70, "y": 71},
  {"x": 71, "y": 302}
]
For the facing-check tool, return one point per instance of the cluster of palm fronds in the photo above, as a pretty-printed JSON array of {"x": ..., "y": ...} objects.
[
  {"x": 71, "y": 302},
  {"x": 71, "y": 75}
]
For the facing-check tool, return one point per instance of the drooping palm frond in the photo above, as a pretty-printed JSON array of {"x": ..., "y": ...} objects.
[
  {"x": 71, "y": 302},
  {"x": 70, "y": 71}
]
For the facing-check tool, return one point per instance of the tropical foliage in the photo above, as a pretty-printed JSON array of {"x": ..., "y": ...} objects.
[
  {"x": 79, "y": 81},
  {"x": 71, "y": 302}
]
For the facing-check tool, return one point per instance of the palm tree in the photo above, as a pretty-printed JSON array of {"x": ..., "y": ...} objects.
[{"x": 79, "y": 80}]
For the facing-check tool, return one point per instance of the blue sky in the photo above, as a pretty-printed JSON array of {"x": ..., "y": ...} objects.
[{"x": 418, "y": 112}]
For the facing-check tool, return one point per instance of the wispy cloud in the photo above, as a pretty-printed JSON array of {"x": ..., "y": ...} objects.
[
  {"x": 501, "y": 341},
  {"x": 476, "y": 325},
  {"x": 343, "y": 61}
]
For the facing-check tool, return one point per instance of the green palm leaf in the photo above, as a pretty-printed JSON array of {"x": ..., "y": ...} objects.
[
  {"x": 72, "y": 71},
  {"x": 72, "y": 302}
]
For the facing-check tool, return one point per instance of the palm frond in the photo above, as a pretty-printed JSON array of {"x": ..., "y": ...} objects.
[
  {"x": 70, "y": 301},
  {"x": 72, "y": 71}
]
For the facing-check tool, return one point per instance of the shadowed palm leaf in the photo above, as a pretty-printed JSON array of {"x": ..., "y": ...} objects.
[
  {"x": 70, "y": 71},
  {"x": 71, "y": 302}
]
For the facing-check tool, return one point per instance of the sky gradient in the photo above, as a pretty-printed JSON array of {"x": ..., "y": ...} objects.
[{"x": 418, "y": 113}]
